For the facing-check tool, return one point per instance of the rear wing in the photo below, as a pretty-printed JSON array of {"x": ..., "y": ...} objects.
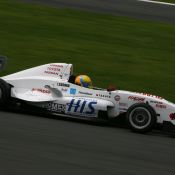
[
  {"x": 54, "y": 70},
  {"x": 3, "y": 60}
]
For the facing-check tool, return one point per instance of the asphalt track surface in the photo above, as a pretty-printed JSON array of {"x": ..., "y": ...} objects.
[
  {"x": 32, "y": 144},
  {"x": 130, "y": 8}
]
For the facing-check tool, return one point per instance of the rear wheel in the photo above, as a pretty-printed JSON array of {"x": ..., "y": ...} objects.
[
  {"x": 141, "y": 117},
  {"x": 4, "y": 93}
]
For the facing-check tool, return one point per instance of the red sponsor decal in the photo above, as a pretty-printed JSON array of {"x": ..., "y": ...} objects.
[
  {"x": 44, "y": 91},
  {"x": 141, "y": 99},
  {"x": 172, "y": 116},
  {"x": 56, "y": 65},
  {"x": 117, "y": 98},
  {"x": 53, "y": 69},
  {"x": 150, "y": 95},
  {"x": 161, "y": 106},
  {"x": 50, "y": 72}
]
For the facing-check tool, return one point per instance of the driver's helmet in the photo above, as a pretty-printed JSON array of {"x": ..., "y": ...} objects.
[{"x": 84, "y": 81}]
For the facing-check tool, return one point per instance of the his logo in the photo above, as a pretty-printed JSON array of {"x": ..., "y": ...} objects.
[{"x": 81, "y": 106}]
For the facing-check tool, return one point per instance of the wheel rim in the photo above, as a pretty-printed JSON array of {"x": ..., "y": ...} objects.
[{"x": 140, "y": 118}]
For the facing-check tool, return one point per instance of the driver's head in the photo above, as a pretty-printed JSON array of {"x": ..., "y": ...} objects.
[{"x": 84, "y": 81}]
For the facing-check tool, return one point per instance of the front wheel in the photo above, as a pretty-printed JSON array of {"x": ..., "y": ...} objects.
[{"x": 141, "y": 117}]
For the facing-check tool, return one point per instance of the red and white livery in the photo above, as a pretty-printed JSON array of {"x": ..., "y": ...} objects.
[{"x": 52, "y": 87}]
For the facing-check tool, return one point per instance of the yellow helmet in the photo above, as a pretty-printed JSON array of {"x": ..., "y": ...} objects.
[{"x": 83, "y": 80}]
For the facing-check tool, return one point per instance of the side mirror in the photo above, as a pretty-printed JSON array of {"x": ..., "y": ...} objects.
[{"x": 3, "y": 60}]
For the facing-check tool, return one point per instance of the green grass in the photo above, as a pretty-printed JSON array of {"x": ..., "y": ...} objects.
[{"x": 132, "y": 54}]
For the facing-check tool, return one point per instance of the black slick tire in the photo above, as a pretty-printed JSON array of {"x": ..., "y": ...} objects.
[{"x": 141, "y": 118}]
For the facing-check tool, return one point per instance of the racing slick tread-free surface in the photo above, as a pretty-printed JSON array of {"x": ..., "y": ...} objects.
[
  {"x": 38, "y": 145},
  {"x": 152, "y": 117}
]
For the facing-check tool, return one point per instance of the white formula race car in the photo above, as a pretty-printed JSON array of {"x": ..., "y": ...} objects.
[{"x": 51, "y": 87}]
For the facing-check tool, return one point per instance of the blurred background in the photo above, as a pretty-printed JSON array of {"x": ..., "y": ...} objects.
[{"x": 132, "y": 53}]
